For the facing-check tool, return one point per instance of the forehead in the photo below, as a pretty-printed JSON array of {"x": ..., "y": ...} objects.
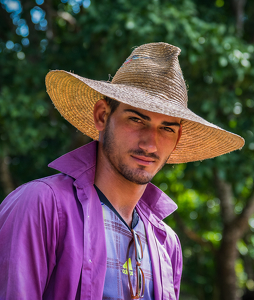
[{"x": 128, "y": 109}]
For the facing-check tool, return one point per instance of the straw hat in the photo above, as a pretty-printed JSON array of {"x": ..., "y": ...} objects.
[{"x": 150, "y": 79}]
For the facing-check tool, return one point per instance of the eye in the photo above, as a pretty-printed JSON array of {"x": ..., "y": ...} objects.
[
  {"x": 168, "y": 129},
  {"x": 135, "y": 119}
]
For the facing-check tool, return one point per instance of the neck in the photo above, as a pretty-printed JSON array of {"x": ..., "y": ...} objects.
[{"x": 122, "y": 193}]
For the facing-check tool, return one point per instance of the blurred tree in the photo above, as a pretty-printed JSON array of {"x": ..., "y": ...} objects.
[{"x": 216, "y": 199}]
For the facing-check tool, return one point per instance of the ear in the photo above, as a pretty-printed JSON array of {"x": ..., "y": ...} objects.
[
  {"x": 100, "y": 114},
  {"x": 179, "y": 135}
]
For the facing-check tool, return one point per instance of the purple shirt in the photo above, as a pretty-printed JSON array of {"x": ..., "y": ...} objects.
[{"x": 52, "y": 238}]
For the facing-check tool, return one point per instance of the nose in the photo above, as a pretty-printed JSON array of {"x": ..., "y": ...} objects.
[{"x": 148, "y": 140}]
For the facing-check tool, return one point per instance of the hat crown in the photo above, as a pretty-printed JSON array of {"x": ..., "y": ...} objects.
[{"x": 155, "y": 68}]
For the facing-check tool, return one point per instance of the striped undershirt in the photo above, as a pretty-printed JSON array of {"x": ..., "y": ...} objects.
[{"x": 118, "y": 237}]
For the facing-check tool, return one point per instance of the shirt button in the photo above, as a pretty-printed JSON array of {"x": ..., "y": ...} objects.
[{"x": 90, "y": 260}]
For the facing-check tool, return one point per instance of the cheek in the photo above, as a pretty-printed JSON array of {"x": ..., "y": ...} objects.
[
  {"x": 126, "y": 133},
  {"x": 168, "y": 145}
]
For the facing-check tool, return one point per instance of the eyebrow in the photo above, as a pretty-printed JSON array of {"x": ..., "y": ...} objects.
[{"x": 149, "y": 119}]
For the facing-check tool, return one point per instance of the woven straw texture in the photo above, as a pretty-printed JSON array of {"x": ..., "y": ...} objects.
[{"x": 150, "y": 79}]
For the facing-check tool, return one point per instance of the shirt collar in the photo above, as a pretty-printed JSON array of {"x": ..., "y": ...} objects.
[{"x": 80, "y": 164}]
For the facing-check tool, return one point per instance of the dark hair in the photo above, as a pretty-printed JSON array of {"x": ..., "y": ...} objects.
[{"x": 113, "y": 104}]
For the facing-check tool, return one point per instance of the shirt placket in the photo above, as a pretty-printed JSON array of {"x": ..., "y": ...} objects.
[{"x": 94, "y": 255}]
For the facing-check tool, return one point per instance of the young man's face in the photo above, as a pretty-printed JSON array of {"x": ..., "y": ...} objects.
[{"x": 137, "y": 143}]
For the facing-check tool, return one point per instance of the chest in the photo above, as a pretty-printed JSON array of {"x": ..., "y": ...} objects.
[
  {"x": 83, "y": 248},
  {"x": 118, "y": 238}
]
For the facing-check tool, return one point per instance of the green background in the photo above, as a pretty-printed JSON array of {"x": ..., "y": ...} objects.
[{"x": 215, "y": 220}]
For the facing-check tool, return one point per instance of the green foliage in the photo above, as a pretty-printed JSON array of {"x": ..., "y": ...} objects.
[{"x": 218, "y": 67}]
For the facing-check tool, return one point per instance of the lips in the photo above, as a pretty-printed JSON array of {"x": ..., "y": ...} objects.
[{"x": 143, "y": 160}]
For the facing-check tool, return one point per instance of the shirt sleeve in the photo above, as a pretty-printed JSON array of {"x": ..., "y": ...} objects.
[
  {"x": 29, "y": 230},
  {"x": 177, "y": 267},
  {"x": 174, "y": 250}
]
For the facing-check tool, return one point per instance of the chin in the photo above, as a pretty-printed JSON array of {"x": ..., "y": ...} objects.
[{"x": 139, "y": 177}]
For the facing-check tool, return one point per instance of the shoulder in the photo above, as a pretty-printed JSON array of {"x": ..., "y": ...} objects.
[
  {"x": 37, "y": 195},
  {"x": 32, "y": 213},
  {"x": 171, "y": 234},
  {"x": 56, "y": 182},
  {"x": 172, "y": 240}
]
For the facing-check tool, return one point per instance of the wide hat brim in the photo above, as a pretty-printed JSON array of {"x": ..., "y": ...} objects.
[{"x": 75, "y": 96}]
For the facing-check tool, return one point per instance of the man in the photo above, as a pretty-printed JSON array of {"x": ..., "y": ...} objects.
[{"x": 95, "y": 230}]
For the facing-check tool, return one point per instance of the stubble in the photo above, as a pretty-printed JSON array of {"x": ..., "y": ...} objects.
[{"x": 137, "y": 175}]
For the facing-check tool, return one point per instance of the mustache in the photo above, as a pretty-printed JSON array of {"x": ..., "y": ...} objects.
[{"x": 141, "y": 152}]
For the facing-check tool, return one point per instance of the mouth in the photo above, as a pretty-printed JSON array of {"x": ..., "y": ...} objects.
[{"x": 143, "y": 160}]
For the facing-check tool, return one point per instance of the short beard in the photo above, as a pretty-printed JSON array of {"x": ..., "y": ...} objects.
[{"x": 135, "y": 176}]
